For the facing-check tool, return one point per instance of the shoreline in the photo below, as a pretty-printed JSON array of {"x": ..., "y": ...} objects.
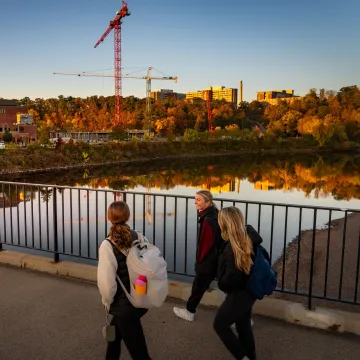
[
  {"x": 332, "y": 265},
  {"x": 140, "y": 160}
]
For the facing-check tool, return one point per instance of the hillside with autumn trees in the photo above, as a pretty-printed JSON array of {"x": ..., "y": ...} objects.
[{"x": 322, "y": 115}]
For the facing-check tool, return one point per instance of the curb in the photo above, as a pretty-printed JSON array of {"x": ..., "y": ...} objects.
[{"x": 320, "y": 318}]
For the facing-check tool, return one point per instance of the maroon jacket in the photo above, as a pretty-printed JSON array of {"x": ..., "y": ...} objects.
[
  {"x": 206, "y": 239},
  {"x": 209, "y": 241}
]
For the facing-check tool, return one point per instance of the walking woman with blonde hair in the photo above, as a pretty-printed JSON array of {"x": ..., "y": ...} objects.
[
  {"x": 235, "y": 264},
  {"x": 112, "y": 263},
  {"x": 209, "y": 246}
]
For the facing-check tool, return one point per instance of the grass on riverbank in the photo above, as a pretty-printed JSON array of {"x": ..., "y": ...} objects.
[{"x": 71, "y": 154}]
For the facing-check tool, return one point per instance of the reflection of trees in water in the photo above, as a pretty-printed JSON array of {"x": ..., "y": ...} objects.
[
  {"x": 118, "y": 184},
  {"x": 45, "y": 194},
  {"x": 11, "y": 195},
  {"x": 332, "y": 174}
]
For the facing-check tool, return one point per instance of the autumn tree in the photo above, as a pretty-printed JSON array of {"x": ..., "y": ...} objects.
[
  {"x": 308, "y": 113},
  {"x": 322, "y": 129}
]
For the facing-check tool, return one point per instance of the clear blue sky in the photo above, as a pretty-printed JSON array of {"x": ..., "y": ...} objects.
[{"x": 268, "y": 44}]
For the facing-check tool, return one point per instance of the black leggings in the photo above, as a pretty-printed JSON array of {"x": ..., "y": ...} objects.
[
  {"x": 128, "y": 328},
  {"x": 200, "y": 285},
  {"x": 236, "y": 309}
]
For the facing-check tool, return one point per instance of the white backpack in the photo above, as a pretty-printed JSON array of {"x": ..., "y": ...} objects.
[{"x": 146, "y": 259}]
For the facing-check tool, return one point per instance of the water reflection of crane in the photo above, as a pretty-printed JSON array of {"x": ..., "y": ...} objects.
[
  {"x": 232, "y": 186},
  {"x": 148, "y": 205},
  {"x": 118, "y": 196}
]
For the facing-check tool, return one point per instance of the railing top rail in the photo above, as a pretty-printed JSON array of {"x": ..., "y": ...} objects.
[{"x": 251, "y": 202}]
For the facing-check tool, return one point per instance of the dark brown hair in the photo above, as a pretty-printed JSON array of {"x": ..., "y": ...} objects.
[{"x": 119, "y": 214}]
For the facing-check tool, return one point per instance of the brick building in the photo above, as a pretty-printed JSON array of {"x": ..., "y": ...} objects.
[
  {"x": 15, "y": 119},
  {"x": 164, "y": 94},
  {"x": 274, "y": 96}
]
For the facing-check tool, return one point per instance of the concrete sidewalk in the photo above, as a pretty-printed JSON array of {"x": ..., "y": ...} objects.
[{"x": 45, "y": 317}]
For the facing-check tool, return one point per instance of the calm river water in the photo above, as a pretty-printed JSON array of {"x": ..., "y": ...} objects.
[{"x": 331, "y": 180}]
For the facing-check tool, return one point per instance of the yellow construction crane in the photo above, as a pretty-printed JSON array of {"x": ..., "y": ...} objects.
[{"x": 148, "y": 79}]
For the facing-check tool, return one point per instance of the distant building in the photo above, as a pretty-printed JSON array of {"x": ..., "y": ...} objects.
[
  {"x": 163, "y": 94},
  {"x": 86, "y": 136},
  {"x": 15, "y": 119},
  {"x": 93, "y": 136},
  {"x": 230, "y": 95},
  {"x": 274, "y": 96}
]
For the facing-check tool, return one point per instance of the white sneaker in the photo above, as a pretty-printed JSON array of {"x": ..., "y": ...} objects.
[{"x": 184, "y": 314}]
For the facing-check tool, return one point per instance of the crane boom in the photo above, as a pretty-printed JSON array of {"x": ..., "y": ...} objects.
[
  {"x": 175, "y": 78},
  {"x": 106, "y": 33},
  {"x": 148, "y": 79}
]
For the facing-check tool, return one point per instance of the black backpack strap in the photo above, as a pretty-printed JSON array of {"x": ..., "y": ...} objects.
[
  {"x": 114, "y": 247},
  {"x": 134, "y": 238}
]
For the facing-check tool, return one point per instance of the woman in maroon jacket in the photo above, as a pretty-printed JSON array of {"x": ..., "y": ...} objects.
[{"x": 209, "y": 245}]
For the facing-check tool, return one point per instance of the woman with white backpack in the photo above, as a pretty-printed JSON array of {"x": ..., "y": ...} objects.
[{"x": 112, "y": 275}]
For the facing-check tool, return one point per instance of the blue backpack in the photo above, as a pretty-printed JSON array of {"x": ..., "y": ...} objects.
[{"x": 263, "y": 279}]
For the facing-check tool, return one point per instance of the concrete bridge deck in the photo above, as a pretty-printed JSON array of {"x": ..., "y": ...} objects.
[{"x": 43, "y": 317}]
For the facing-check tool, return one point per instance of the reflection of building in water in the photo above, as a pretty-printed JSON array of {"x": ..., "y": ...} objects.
[
  {"x": 267, "y": 185},
  {"x": 230, "y": 186},
  {"x": 264, "y": 185},
  {"x": 6, "y": 201}
]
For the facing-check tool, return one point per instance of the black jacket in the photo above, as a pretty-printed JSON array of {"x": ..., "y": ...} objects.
[
  {"x": 209, "y": 264},
  {"x": 230, "y": 278},
  {"x": 121, "y": 305}
]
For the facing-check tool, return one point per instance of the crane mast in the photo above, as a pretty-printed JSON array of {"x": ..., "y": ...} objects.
[
  {"x": 148, "y": 100},
  {"x": 116, "y": 25}
]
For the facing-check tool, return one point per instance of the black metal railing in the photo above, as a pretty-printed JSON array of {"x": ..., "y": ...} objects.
[{"x": 315, "y": 250}]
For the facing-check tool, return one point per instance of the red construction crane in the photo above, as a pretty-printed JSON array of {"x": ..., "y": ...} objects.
[{"x": 116, "y": 25}]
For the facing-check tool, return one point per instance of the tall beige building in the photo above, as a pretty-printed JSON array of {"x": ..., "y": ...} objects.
[{"x": 218, "y": 93}]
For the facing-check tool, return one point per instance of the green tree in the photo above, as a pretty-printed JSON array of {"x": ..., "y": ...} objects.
[{"x": 8, "y": 137}]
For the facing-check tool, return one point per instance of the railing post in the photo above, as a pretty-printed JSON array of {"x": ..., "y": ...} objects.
[
  {"x": 124, "y": 196},
  {"x": 56, "y": 249},
  {"x": 312, "y": 261}
]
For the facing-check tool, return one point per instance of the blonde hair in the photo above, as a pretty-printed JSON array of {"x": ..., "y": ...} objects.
[
  {"x": 119, "y": 214},
  {"x": 207, "y": 195},
  {"x": 232, "y": 225}
]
